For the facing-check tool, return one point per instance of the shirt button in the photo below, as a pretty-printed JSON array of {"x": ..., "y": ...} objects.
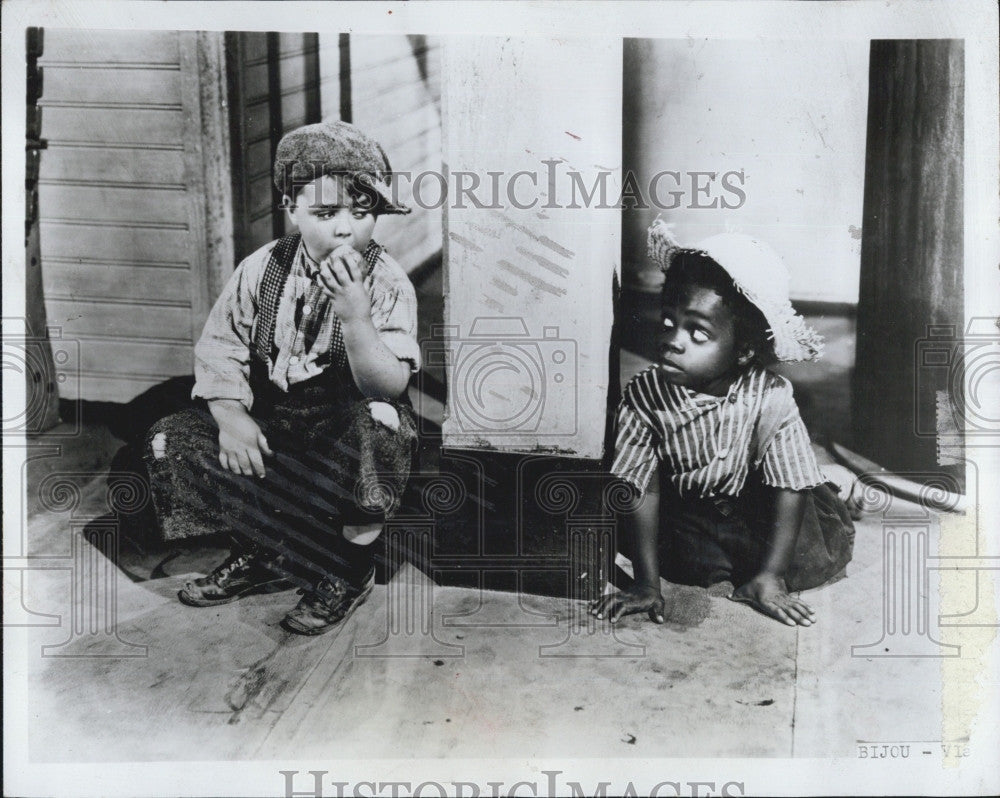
[
  {"x": 732, "y": 398},
  {"x": 294, "y": 359},
  {"x": 723, "y": 452},
  {"x": 307, "y": 309}
]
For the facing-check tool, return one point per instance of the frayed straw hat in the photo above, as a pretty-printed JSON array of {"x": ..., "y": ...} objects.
[{"x": 759, "y": 274}]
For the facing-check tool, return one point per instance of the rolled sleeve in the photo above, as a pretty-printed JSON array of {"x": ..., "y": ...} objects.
[
  {"x": 222, "y": 354},
  {"x": 394, "y": 315},
  {"x": 789, "y": 461}
]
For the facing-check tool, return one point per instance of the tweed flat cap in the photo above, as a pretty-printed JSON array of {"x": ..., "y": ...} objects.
[{"x": 339, "y": 149}]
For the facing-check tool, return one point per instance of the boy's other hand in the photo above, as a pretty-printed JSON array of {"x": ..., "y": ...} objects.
[
  {"x": 637, "y": 598},
  {"x": 241, "y": 443},
  {"x": 767, "y": 593},
  {"x": 342, "y": 278}
]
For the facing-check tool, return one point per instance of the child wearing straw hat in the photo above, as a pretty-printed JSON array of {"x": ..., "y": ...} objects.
[{"x": 718, "y": 440}]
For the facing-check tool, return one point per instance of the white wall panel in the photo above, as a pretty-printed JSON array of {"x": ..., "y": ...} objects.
[{"x": 529, "y": 291}]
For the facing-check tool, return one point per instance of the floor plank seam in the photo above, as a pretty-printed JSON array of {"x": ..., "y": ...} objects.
[{"x": 795, "y": 688}]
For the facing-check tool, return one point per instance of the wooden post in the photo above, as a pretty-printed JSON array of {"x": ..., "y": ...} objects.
[
  {"x": 277, "y": 124},
  {"x": 207, "y": 164},
  {"x": 345, "y": 78},
  {"x": 530, "y": 272},
  {"x": 41, "y": 391},
  {"x": 912, "y": 246}
]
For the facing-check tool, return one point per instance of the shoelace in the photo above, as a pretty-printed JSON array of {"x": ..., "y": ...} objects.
[
  {"x": 228, "y": 567},
  {"x": 326, "y": 593}
]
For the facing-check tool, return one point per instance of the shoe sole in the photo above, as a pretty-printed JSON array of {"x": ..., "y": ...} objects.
[
  {"x": 268, "y": 587},
  {"x": 292, "y": 625}
]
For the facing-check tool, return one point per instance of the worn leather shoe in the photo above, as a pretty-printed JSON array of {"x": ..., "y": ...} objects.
[
  {"x": 330, "y": 603},
  {"x": 240, "y": 575}
]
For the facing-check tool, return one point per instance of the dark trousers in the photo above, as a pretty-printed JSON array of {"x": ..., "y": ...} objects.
[
  {"x": 705, "y": 541},
  {"x": 334, "y": 463}
]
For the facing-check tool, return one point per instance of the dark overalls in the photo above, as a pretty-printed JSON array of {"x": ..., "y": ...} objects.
[{"x": 333, "y": 463}]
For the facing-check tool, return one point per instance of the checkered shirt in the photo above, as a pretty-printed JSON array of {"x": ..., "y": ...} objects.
[{"x": 307, "y": 337}]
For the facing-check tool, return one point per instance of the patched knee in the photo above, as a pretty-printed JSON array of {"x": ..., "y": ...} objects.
[
  {"x": 385, "y": 414},
  {"x": 363, "y": 534},
  {"x": 159, "y": 445}
]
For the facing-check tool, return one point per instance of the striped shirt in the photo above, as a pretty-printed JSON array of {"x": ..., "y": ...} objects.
[
  {"x": 305, "y": 330},
  {"x": 705, "y": 442}
]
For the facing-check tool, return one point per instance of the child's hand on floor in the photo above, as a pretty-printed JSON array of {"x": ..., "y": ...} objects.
[
  {"x": 241, "y": 442},
  {"x": 342, "y": 277},
  {"x": 638, "y": 598},
  {"x": 767, "y": 593}
]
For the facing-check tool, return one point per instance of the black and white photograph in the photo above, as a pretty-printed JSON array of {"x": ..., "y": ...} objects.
[{"x": 501, "y": 399}]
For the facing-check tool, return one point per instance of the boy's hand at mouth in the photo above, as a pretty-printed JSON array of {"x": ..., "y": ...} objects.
[
  {"x": 342, "y": 277},
  {"x": 767, "y": 593},
  {"x": 638, "y": 598}
]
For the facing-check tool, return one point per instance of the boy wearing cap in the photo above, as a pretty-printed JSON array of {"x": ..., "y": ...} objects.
[
  {"x": 738, "y": 496},
  {"x": 302, "y": 438}
]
